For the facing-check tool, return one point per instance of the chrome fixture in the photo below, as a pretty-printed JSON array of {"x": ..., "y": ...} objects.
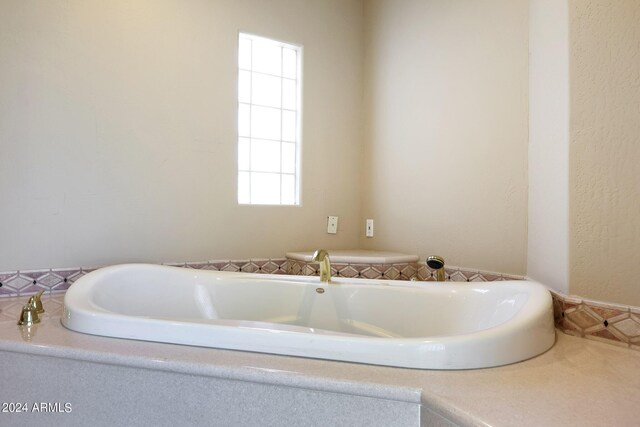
[
  {"x": 321, "y": 257},
  {"x": 36, "y": 302},
  {"x": 437, "y": 263},
  {"x": 29, "y": 314}
]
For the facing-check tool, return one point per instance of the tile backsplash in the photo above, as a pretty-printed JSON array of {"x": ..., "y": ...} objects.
[
  {"x": 29, "y": 282},
  {"x": 400, "y": 271},
  {"x": 610, "y": 323}
]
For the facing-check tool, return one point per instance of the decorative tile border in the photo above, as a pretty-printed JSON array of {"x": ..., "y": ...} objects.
[
  {"x": 609, "y": 323},
  {"x": 260, "y": 266},
  {"x": 29, "y": 282},
  {"x": 400, "y": 271},
  {"x": 52, "y": 281}
]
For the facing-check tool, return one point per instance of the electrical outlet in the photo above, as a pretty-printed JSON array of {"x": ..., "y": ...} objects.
[
  {"x": 332, "y": 224},
  {"x": 369, "y": 228}
]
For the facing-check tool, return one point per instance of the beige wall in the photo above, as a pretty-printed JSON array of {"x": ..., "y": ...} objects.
[
  {"x": 446, "y": 130},
  {"x": 605, "y": 149},
  {"x": 548, "y": 213},
  {"x": 118, "y": 130},
  {"x": 117, "y": 134}
]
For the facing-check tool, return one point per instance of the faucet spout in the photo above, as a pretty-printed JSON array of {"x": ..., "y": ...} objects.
[
  {"x": 436, "y": 263},
  {"x": 321, "y": 256}
]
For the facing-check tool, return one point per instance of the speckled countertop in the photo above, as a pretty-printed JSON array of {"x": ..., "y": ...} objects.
[{"x": 577, "y": 382}]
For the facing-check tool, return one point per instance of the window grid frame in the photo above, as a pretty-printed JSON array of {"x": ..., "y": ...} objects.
[{"x": 281, "y": 141}]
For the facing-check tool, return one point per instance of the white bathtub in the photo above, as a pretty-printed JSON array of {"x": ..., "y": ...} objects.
[{"x": 423, "y": 325}]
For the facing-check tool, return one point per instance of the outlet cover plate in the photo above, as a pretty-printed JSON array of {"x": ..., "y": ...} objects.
[{"x": 332, "y": 224}]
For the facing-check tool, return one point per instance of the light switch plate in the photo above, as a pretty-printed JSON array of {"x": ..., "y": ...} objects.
[{"x": 369, "y": 228}]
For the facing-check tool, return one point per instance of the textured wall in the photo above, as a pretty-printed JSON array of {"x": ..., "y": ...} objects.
[
  {"x": 548, "y": 214},
  {"x": 118, "y": 130},
  {"x": 446, "y": 130},
  {"x": 605, "y": 150}
]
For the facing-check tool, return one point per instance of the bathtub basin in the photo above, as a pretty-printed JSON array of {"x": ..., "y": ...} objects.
[{"x": 423, "y": 325}]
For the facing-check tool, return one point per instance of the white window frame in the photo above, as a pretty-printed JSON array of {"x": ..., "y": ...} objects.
[{"x": 244, "y": 166}]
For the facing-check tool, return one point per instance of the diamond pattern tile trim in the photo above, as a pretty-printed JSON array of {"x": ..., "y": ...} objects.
[
  {"x": 401, "y": 271},
  {"x": 594, "y": 320},
  {"x": 29, "y": 282}
]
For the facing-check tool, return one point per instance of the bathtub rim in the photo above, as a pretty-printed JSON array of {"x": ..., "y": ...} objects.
[{"x": 169, "y": 331}]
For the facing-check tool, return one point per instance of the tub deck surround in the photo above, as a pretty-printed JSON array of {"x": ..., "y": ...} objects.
[
  {"x": 366, "y": 264},
  {"x": 357, "y": 256},
  {"x": 585, "y": 318},
  {"x": 360, "y": 263},
  {"x": 393, "y": 323},
  {"x": 576, "y": 382}
]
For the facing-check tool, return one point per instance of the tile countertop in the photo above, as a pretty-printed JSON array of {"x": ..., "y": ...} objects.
[{"x": 577, "y": 382}]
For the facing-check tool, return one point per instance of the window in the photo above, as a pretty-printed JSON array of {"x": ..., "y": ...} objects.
[{"x": 268, "y": 121}]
